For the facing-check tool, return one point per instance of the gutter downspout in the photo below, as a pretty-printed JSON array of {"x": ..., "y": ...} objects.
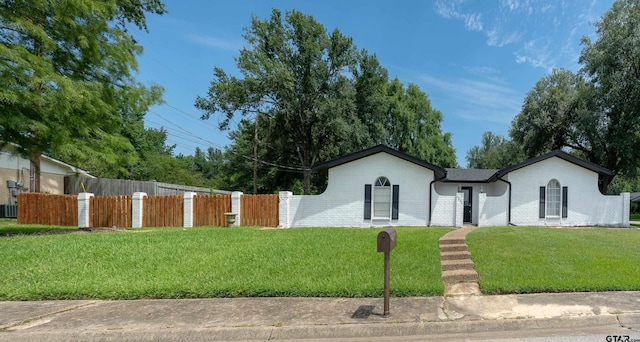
[
  {"x": 508, "y": 212},
  {"x": 431, "y": 194}
]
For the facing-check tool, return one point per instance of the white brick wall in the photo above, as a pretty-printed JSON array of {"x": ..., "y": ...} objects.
[
  {"x": 342, "y": 203},
  {"x": 443, "y": 205},
  {"x": 493, "y": 210},
  {"x": 586, "y": 205}
]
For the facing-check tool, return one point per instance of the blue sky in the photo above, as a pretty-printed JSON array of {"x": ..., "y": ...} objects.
[{"x": 475, "y": 59}]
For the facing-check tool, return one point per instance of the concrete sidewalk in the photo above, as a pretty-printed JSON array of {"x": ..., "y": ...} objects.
[{"x": 265, "y": 319}]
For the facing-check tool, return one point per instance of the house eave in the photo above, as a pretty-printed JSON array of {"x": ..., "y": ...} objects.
[{"x": 323, "y": 167}]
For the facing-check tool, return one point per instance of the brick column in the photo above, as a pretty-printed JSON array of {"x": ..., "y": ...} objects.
[
  {"x": 482, "y": 198},
  {"x": 235, "y": 207},
  {"x": 188, "y": 209},
  {"x": 137, "y": 209},
  {"x": 84, "y": 213},
  {"x": 459, "y": 209},
  {"x": 626, "y": 208},
  {"x": 283, "y": 209}
]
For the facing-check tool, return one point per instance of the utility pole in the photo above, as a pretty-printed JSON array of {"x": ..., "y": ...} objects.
[{"x": 255, "y": 155}]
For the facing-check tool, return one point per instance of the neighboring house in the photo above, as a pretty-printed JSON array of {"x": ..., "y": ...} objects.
[
  {"x": 382, "y": 186},
  {"x": 17, "y": 174}
]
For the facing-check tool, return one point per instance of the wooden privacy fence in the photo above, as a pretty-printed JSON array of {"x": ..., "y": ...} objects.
[
  {"x": 109, "y": 211},
  {"x": 156, "y": 211},
  {"x": 259, "y": 210},
  {"x": 208, "y": 210},
  {"x": 163, "y": 211},
  {"x": 55, "y": 210}
]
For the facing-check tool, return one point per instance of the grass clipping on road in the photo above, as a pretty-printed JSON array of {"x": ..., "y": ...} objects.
[
  {"x": 217, "y": 262},
  {"x": 530, "y": 260}
]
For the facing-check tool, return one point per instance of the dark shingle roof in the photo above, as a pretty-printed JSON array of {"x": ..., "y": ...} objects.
[
  {"x": 438, "y": 171},
  {"x": 562, "y": 155},
  {"x": 469, "y": 175}
]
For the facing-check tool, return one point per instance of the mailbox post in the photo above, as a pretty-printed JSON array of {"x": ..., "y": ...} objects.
[{"x": 386, "y": 243}]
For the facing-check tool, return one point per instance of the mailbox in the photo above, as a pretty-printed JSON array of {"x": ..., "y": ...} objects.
[{"x": 387, "y": 240}]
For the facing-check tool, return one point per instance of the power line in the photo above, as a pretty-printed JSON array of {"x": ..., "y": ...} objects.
[{"x": 189, "y": 133}]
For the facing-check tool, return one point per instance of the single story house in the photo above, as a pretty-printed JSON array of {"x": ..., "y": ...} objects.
[
  {"x": 381, "y": 186},
  {"x": 18, "y": 174}
]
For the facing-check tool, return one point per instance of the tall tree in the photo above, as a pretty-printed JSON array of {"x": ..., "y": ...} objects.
[
  {"x": 612, "y": 65},
  {"x": 309, "y": 95},
  {"x": 595, "y": 114},
  {"x": 292, "y": 71},
  {"x": 413, "y": 126},
  {"x": 66, "y": 69},
  {"x": 549, "y": 113}
]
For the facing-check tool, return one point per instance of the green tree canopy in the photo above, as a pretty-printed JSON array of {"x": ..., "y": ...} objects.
[
  {"x": 66, "y": 70},
  {"x": 596, "y": 114},
  {"x": 310, "y": 96},
  {"x": 495, "y": 152}
]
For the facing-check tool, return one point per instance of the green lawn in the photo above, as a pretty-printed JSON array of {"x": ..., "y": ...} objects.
[
  {"x": 216, "y": 262},
  {"x": 634, "y": 217},
  {"x": 529, "y": 260},
  {"x": 9, "y": 227}
]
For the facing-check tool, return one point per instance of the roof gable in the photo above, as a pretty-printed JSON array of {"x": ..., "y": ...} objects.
[
  {"x": 562, "y": 155},
  {"x": 438, "y": 171}
]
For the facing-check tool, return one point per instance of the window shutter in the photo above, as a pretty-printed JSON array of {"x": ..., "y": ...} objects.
[
  {"x": 565, "y": 190},
  {"x": 394, "y": 202},
  {"x": 367, "y": 201},
  {"x": 542, "y": 206}
]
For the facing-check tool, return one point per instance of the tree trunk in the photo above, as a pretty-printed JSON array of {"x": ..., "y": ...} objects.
[
  {"x": 603, "y": 183},
  {"x": 307, "y": 180},
  {"x": 35, "y": 172}
]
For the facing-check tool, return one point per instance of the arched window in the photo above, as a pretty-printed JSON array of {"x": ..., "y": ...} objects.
[
  {"x": 382, "y": 198},
  {"x": 553, "y": 198}
]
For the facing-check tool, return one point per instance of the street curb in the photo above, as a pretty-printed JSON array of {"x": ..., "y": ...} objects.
[{"x": 330, "y": 331}]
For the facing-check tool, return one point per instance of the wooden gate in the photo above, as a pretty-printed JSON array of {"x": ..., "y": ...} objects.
[
  {"x": 163, "y": 211},
  {"x": 109, "y": 211},
  {"x": 208, "y": 210},
  {"x": 259, "y": 210}
]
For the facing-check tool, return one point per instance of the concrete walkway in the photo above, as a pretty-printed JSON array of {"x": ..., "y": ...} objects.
[
  {"x": 302, "y": 318},
  {"x": 458, "y": 271}
]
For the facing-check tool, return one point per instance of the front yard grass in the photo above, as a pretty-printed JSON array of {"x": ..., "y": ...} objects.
[
  {"x": 530, "y": 260},
  {"x": 217, "y": 262},
  {"x": 10, "y": 227}
]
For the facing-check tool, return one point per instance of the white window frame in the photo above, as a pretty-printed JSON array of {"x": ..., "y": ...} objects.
[
  {"x": 553, "y": 201},
  {"x": 381, "y": 183}
]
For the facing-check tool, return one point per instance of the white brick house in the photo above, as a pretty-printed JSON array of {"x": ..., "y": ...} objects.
[{"x": 380, "y": 186}]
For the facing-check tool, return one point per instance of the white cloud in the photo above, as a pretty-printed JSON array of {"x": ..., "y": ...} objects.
[
  {"x": 556, "y": 26},
  {"x": 216, "y": 43},
  {"x": 451, "y": 10},
  {"x": 493, "y": 102}
]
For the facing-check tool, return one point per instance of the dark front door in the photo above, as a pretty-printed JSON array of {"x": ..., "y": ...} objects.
[{"x": 467, "y": 191}]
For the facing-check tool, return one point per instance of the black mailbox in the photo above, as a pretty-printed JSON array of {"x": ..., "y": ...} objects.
[{"x": 387, "y": 240}]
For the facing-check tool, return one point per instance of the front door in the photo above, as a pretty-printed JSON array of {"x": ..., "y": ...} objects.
[{"x": 467, "y": 191}]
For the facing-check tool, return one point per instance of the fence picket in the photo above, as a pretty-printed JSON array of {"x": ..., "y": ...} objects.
[
  {"x": 46, "y": 209},
  {"x": 259, "y": 210},
  {"x": 209, "y": 210}
]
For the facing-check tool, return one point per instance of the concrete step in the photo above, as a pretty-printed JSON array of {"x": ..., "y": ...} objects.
[
  {"x": 452, "y": 265},
  {"x": 451, "y": 241},
  {"x": 459, "y": 276},
  {"x": 455, "y": 255},
  {"x": 453, "y": 248}
]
